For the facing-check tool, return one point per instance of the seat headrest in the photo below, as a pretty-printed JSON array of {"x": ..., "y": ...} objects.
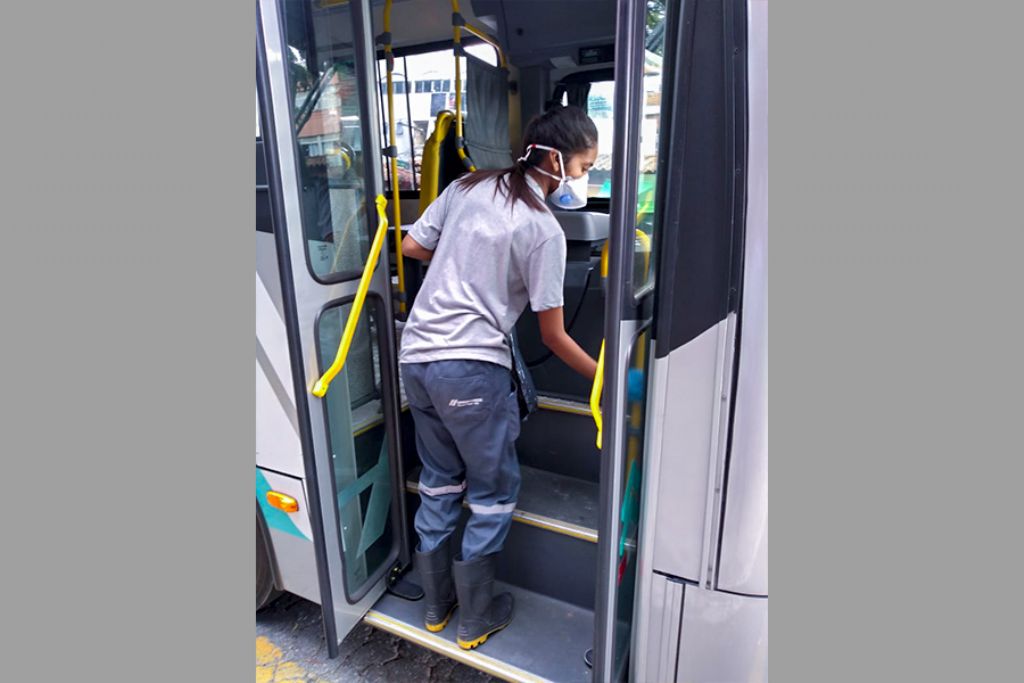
[{"x": 583, "y": 226}]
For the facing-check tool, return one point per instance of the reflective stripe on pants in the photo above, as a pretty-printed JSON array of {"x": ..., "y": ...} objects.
[{"x": 467, "y": 421}]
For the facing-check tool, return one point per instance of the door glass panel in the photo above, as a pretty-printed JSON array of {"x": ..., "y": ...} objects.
[
  {"x": 601, "y": 109},
  {"x": 358, "y": 443},
  {"x": 629, "y": 499},
  {"x": 650, "y": 126},
  {"x": 327, "y": 117},
  {"x": 424, "y": 85}
]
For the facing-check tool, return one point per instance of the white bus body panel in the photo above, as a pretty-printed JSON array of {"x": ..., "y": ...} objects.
[
  {"x": 291, "y": 536},
  {"x": 743, "y": 567},
  {"x": 277, "y": 426},
  {"x": 724, "y": 637},
  {"x": 687, "y": 386},
  {"x": 701, "y": 636},
  {"x": 701, "y": 612},
  {"x": 278, "y": 449}
]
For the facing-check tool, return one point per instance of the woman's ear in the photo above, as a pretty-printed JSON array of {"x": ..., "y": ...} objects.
[{"x": 553, "y": 158}]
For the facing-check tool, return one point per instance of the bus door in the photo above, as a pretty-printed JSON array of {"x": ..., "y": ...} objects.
[
  {"x": 629, "y": 309},
  {"x": 315, "y": 80}
]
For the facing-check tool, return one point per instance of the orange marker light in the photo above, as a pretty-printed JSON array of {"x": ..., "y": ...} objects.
[{"x": 282, "y": 501}]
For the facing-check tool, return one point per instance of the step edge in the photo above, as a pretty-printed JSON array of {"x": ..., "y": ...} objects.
[
  {"x": 472, "y": 658},
  {"x": 561, "y": 405},
  {"x": 361, "y": 428},
  {"x": 551, "y": 524}
]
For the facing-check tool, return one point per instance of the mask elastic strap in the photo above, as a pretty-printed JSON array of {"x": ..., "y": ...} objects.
[
  {"x": 561, "y": 161},
  {"x": 538, "y": 169}
]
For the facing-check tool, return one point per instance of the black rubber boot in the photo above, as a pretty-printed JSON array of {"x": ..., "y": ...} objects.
[
  {"x": 435, "y": 570},
  {"x": 481, "y": 613}
]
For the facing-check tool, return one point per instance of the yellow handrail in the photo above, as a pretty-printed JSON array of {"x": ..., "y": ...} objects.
[
  {"x": 645, "y": 242},
  {"x": 396, "y": 205},
  {"x": 322, "y": 384},
  {"x": 598, "y": 386},
  {"x": 460, "y": 143},
  {"x": 595, "y": 394}
]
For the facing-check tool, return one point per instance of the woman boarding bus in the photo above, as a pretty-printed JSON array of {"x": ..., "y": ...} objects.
[{"x": 493, "y": 247}]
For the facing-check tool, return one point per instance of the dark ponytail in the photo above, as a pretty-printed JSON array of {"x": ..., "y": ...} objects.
[{"x": 567, "y": 129}]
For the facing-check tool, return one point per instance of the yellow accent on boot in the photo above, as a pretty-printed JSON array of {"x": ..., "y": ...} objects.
[
  {"x": 470, "y": 644},
  {"x": 434, "y": 628}
]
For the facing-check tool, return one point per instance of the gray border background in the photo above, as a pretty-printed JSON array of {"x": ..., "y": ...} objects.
[
  {"x": 895, "y": 401},
  {"x": 127, "y": 354},
  {"x": 128, "y": 350}
]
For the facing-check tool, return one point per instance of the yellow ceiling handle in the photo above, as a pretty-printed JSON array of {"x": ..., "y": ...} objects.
[
  {"x": 645, "y": 244},
  {"x": 322, "y": 384},
  {"x": 595, "y": 394}
]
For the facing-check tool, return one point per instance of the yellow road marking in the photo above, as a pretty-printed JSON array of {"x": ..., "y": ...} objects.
[{"x": 272, "y": 667}]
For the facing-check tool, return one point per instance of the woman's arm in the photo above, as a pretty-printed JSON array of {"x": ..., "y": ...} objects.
[
  {"x": 554, "y": 336},
  {"x": 414, "y": 249}
]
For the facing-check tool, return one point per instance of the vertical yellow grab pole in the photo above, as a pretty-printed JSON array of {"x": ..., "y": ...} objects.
[
  {"x": 595, "y": 394},
  {"x": 460, "y": 143}
]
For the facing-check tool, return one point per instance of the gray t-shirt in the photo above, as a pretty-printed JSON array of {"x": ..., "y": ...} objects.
[{"x": 490, "y": 260}]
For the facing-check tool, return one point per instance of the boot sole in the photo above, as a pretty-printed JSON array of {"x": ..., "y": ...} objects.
[
  {"x": 477, "y": 642},
  {"x": 434, "y": 628}
]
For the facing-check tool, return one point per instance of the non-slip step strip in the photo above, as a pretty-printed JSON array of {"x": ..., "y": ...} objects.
[
  {"x": 473, "y": 658},
  {"x": 546, "y": 640},
  {"x": 533, "y": 519},
  {"x": 562, "y": 405}
]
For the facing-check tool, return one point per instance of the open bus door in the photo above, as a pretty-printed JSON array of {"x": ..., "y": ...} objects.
[
  {"x": 644, "y": 80},
  {"x": 316, "y": 83}
]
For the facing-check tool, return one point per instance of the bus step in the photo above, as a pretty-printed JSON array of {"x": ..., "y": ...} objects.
[
  {"x": 561, "y": 405},
  {"x": 545, "y": 641},
  {"x": 560, "y": 438},
  {"x": 554, "y": 502},
  {"x": 551, "y": 548}
]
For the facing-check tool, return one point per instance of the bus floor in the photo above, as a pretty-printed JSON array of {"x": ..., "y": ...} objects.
[{"x": 290, "y": 648}]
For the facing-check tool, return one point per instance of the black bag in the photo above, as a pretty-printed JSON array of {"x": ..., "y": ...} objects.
[{"x": 526, "y": 393}]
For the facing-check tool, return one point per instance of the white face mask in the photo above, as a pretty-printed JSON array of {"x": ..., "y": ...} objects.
[{"x": 571, "y": 193}]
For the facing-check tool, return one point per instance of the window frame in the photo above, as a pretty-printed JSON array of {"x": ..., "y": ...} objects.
[{"x": 428, "y": 88}]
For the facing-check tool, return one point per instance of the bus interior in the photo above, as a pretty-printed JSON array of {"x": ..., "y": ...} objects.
[{"x": 555, "y": 52}]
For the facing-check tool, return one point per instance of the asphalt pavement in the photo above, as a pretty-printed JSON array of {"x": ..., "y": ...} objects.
[{"x": 290, "y": 648}]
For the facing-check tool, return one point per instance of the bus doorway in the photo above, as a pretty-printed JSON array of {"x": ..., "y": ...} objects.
[{"x": 340, "y": 82}]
